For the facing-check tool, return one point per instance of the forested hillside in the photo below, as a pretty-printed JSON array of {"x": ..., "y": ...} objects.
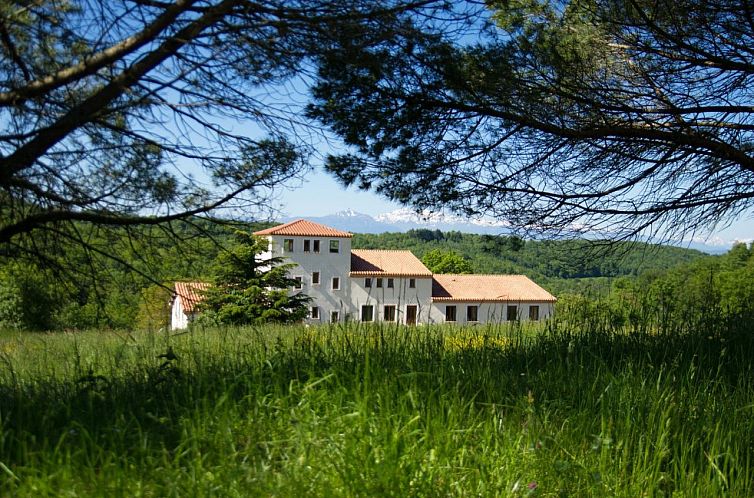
[
  {"x": 559, "y": 265},
  {"x": 128, "y": 288}
]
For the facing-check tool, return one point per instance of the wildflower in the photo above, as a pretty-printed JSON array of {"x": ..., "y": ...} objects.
[{"x": 532, "y": 489}]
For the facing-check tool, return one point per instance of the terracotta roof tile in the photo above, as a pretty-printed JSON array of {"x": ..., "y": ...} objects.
[
  {"x": 366, "y": 262},
  {"x": 481, "y": 288},
  {"x": 190, "y": 294},
  {"x": 304, "y": 228}
]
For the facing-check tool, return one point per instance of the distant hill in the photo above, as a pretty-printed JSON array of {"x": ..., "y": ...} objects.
[
  {"x": 405, "y": 219},
  {"x": 556, "y": 264}
]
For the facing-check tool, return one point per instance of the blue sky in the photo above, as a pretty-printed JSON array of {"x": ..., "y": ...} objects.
[{"x": 319, "y": 194}]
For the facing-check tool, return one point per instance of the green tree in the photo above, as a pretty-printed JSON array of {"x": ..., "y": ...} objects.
[
  {"x": 251, "y": 289},
  {"x": 439, "y": 261},
  {"x": 621, "y": 116},
  {"x": 11, "y": 307},
  {"x": 29, "y": 300},
  {"x": 154, "y": 309}
]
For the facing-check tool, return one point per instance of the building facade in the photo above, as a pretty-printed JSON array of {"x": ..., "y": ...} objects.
[
  {"x": 394, "y": 286},
  {"x": 381, "y": 285},
  {"x": 186, "y": 296}
]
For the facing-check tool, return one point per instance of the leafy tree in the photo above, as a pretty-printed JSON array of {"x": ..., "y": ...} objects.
[
  {"x": 249, "y": 288},
  {"x": 29, "y": 301},
  {"x": 154, "y": 309},
  {"x": 617, "y": 116},
  {"x": 11, "y": 307},
  {"x": 439, "y": 261}
]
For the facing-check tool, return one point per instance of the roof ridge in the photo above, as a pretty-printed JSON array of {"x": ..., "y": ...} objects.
[
  {"x": 285, "y": 225},
  {"x": 482, "y": 274},
  {"x": 302, "y": 227},
  {"x": 385, "y": 250}
]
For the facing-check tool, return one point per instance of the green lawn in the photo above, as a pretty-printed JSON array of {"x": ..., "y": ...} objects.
[{"x": 423, "y": 411}]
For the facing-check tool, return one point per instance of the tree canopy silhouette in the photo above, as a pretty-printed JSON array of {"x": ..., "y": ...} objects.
[
  {"x": 140, "y": 112},
  {"x": 624, "y": 117}
]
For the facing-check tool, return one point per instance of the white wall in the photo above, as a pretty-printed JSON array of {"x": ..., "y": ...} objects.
[
  {"x": 489, "y": 312},
  {"x": 353, "y": 293},
  {"x": 328, "y": 265},
  {"x": 401, "y": 295},
  {"x": 178, "y": 319}
]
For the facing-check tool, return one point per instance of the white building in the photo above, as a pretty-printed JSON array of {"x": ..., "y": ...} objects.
[
  {"x": 390, "y": 286},
  {"x": 379, "y": 285},
  {"x": 183, "y": 303}
]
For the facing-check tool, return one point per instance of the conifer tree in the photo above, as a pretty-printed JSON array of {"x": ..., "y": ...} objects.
[{"x": 249, "y": 288}]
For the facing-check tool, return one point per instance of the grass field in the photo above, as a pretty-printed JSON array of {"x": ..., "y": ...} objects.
[{"x": 352, "y": 411}]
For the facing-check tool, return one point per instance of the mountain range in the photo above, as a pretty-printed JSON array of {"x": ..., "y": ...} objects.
[{"x": 405, "y": 219}]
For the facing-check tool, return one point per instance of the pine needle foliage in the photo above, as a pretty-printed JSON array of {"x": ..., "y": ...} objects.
[{"x": 250, "y": 287}]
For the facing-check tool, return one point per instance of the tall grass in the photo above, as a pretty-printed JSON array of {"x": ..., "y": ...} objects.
[{"x": 518, "y": 410}]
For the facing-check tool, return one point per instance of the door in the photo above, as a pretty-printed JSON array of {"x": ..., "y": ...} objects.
[{"x": 411, "y": 314}]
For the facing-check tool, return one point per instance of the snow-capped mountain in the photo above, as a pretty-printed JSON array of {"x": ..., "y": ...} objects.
[
  {"x": 404, "y": 219},
  {"x": 351, "y": 221},
  {"x": 439, "y": 220}
]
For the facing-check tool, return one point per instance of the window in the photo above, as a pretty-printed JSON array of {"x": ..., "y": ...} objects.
[
  {"x": 336, "y": 283},
  {"x": 334, "y": 316},
  {"x": 367, "y": 282},
  {"x": 316, "y": 245},
  {"x": 511, "y": 313},
  {"x": 389, "y": 313},
  {"x": 367, "y": 313},
  {"x": 315, "y": 278},
  {"x": 315, "y": 313},
  {"x": 379, "y": 283},
  {"x": 472, "y": 313},
  {"x": 411, "y": 310},
  {"x": 450, "y": 313},
  {"x": 307, "y": 245},
  {"x": 412, "y": 283},
  {"x": 390, "y": 283},
  {"x": 299, "y": 284},
  {"x": 288, "y": 245},
  {"x": 334, "y": 246},
  {"x": 534, "y": 312}
]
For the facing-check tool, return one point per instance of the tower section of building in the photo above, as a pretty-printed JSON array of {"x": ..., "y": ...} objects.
[{"x": 322, "y": 259}]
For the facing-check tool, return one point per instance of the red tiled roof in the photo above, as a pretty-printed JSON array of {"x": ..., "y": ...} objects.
[
  {"x": 366, "y": 262},
  {"x": 304, "y": 228},
  {"x": 487, "y": 288},
  {"x": 190, "y": 294}
]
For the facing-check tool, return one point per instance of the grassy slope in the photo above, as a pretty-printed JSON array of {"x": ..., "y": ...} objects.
[{"x": 377, "y": 412}]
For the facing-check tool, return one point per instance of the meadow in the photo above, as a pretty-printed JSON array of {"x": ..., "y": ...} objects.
[{"x": 552, "y": 409}]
